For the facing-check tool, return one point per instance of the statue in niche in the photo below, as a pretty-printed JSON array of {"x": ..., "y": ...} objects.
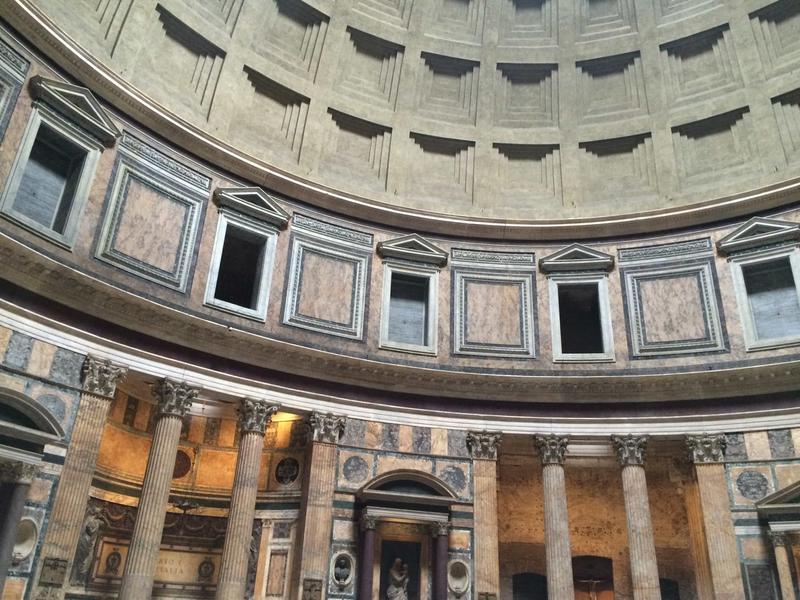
[
  {"x": 341, "y": 571},
  {"x": 398, "y": 581},
  {"x": 84, "y": 554}
]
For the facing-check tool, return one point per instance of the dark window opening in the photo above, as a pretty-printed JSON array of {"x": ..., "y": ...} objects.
[
  {"x": 239, "y": 272},
  {"x": 408, "y": 310},
  {"x": 579, "y": 316},
  {"x": 528, "y": 586},
  {"x": 670, "y": 590},
  {"x": 772, "y": 294},
  {"x": 49, "y": 181}
]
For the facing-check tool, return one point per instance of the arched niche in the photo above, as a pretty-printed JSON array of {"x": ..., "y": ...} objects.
[
  {"x": 25, "y": 427},
  {"x": 408, "y": 487}
]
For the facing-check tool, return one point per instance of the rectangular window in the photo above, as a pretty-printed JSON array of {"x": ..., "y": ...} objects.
[
  {"x": 408, "y": 316},
  {"x": 241, "y": 266},
  {"x": 580, "y": 318},
  {"x": 49, "y": 182},
  {"x": 579, "y": 315},
  {"x": 408, "y": 310},
  {"x": 772, "y": 298}
]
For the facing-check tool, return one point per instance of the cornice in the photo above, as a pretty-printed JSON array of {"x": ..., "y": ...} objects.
[
  {"x": 32, "y": 270},
  {"x": 47, "y": 37}
]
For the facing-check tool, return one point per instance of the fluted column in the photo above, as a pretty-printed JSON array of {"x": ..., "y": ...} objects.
[
  {"x": 441, "y": 547},
  {"x": 707, "y": 453},
  {"x": 783, "y": 558},
  {"x": 483, "y": 447},
  {"x": 631, "y": 451},
  {"x": 367, "y": 557},
  {"x": 174, "y": 400},
  {"x": 552, "y": 450},
  {"x": 15, "y": 482},
  {"x": 100, "y": 379},
  {"x": 254, "y": 415},
  {"x": 317, "y": 519}
]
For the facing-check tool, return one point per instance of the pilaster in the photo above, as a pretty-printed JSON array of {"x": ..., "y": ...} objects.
[{"x": 483, "y": 447}]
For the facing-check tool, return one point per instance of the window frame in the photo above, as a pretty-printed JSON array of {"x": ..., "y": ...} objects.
[
  {"x": 44, "y": 116},
  {"x": 601, "y": 280},
  {"x": 270, "y": 236},
  {"x": 430, "y": 273},
  {"x": 749, "y": 331}
]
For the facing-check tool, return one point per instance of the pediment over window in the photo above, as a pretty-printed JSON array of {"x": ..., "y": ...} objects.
[
  {"x": 577, "y": 257},
  {"x": 759, "y": 231},
  {"x": 253, "y": 201},
  {"x": 782, "y": 502},
  {"x": 77, "y": 104},
  {"x": 414, "y": 248}
]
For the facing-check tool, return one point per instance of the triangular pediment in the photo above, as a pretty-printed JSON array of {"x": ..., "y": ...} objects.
[
  {"x": 253, "y": 201},
  {"x": 414, "y": 248},
  {"x": 77, "y": 104},
  {"x": 784, "y": 501},
  {"x": 759, "y": 231},
  {"x": 577, "y": 257}
]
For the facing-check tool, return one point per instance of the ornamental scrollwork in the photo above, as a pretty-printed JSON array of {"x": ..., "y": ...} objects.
[
  {"x": 173, "y": 398},
  {"x": 101, "y": 376},
  {"x": 552, "y": 448},
  {"x": 706, "y": 448},
  {"x": 326, "y": 427},
  {"x": 484, "y": 444},
  {"x": 631, "y": 449},
  {"x": 255, "y": 415}
]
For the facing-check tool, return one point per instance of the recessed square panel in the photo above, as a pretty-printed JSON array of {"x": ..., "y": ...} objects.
[
  {"x": 673, "y": 309},
  {"x": 326, "y": 288}
]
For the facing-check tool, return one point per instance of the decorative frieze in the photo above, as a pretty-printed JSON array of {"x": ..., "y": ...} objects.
[
  {"x": 631, "y": 449},
  {"x": 326, "y": 428},
  {"x": 552, "y": 448},
  {"x": 706, "y": 448},
  {"x": 255, "y": 415},
  {"x": 173, "y": 398},
  {"x": 484, "y": 444},
  {"x": 101, "y": 376}
]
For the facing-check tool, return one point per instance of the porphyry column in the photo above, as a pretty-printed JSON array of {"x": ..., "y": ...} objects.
[
  {"x": 558, "y": 554},
  {"x": 100, "y": 379},
  {"x": 483, "y": 447},
  {"x": 15, "y": 482},
  {"x": 631, "y": 450},
  {"x": 318, "y": 510},
  {"x": 708, "y": 453},
  {"x": 782, "y": 547},
  {"x": 365, "y": 566},
  {"x": 441, "y": 548},
  {"x": 254, "y": 415},
  {"x": 174, "y": 400}
]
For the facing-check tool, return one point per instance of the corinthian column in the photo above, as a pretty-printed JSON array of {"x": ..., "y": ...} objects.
[
  {"x": 254, "y": 415},
  {"x": 100, "y": 378},
  {"x": 783, "y": 557},
  {"x": 558, "y": 554},
  {"x": 631, "y": 451},
  {"x": 174, "y": 400},
  {"x": 708, "y": 453},
  {"x": 483, "y": 448},
  {"x": 317, "y": 519}
]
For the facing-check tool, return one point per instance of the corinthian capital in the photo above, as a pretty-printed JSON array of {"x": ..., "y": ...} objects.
[
  {"x": 255, "y": 415},
  {"x": 326, "y": 427},
  {"x": 630, "y": 449},
  {"x": 779, "y": 538},
  {"x": 101, "y": 376},
  {"x": 552, "y": 448},
  {"x": 706, "y": 448},
  {"x": 17, "y": 472},
  {"x": 484, "y": 444},
  {"x": 173, "y": 398}
]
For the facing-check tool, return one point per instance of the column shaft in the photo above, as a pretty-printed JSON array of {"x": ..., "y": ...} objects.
[
  {"x": 137, "y": 581},
  {"x": 644, "y": 567},
  {"x": 784, "y": 572},
  {"x": 560, "y": 585},
  {"x": 697, "y": 537},
  {"x": 441, "y": 547},
  {"x": 366, "y": 564},
  {"x": 12, "y": 503},
  {"x": 236, "y": 551},
  {"x": 720, "y": 537},
  {"x": 487, "y": 564}
]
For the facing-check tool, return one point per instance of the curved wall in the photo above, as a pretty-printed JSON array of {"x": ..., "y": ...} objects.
[{"x": 510, "y": 111}]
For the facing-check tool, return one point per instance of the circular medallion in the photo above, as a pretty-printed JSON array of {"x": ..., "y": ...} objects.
[
  {"x": 113, "y": 561},
  {"x": 287, "y": 471},
  {"x": 752, "y": 485},
  {"x": 205, "y": 570},
  {"x": 355, "y": 469},
  {"x": 455, "y": 478},
  {"x": 183, "y": 464}
]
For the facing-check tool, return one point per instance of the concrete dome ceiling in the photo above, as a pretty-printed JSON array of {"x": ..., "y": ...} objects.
[{"x": 509, "y": 111}]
